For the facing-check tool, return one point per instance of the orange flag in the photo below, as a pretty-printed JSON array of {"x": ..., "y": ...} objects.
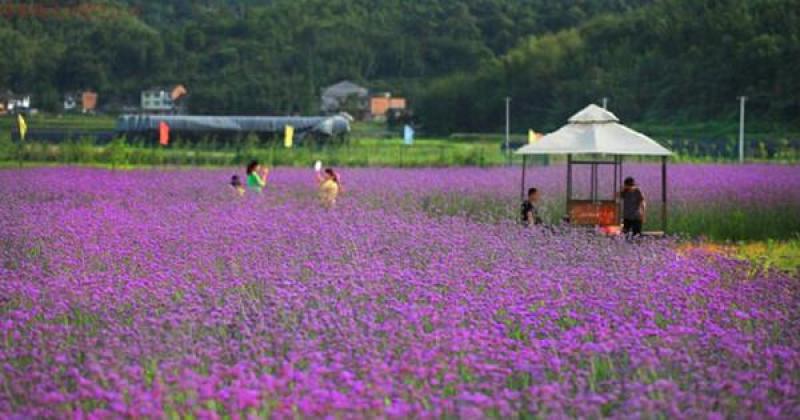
[{"x": 163, "y": 133}]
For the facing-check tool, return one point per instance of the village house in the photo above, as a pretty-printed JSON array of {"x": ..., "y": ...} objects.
[
  {"x": 380, "y": 105},
  {"x": 164, "y": 100},
  {"x": 11, "y": 103},
  {"x": 85, "y": 102},
  {"x": 346, "y": 96}
]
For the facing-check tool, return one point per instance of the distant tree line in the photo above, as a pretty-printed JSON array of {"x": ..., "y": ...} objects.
[
  {"x": 672, "y": 61},
  {"x": 454, "y": 60}
]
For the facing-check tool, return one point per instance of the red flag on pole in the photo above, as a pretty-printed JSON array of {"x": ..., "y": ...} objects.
[{"x": 163, "y": 133}]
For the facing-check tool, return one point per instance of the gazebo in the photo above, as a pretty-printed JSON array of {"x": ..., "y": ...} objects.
[{"x": 594, "y": 137}]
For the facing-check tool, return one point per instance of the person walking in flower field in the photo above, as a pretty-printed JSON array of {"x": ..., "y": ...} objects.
[
  {"x": 633, "y": 208},
  {"x": 329, "y": 187}
]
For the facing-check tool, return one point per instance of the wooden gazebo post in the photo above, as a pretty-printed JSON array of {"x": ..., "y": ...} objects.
[
  {"x": 664, "y": 194},
  {"x": 522, "y": 187},
  {"x": 569, "y": 180}
]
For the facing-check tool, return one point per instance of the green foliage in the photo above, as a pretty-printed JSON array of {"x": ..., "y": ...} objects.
[
  {"x": 772, "y": 254},
  {"x": 362, "y": 152},
  {"x": 778, "y": 222},
  {"x": 481, "y": 151},
  {"x": 117, "y": 152},
  {"x": 249, "y": 56},
  {"x": 675, "y": 60},
  {"x": 68, "y": 122},
  {"x": 7, "y": 147}
]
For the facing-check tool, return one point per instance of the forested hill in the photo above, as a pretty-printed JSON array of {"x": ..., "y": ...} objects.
[
  {"x": 264, "y": 56},
  {"x": 455, "y": 60},
  {"x": 673, "y": 61}
]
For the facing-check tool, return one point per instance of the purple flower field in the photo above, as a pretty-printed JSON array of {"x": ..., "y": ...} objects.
[{"x": 160, "y": 293}]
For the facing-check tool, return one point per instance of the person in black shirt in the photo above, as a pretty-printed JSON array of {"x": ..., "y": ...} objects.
[
  {"x": 530, "y": 209},
  {"x": 633, "y": 208}
]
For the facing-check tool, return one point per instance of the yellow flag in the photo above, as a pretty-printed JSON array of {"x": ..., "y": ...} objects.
[
  {"x": 288, "y": 136},
  {"x": 23, "y": 128}
]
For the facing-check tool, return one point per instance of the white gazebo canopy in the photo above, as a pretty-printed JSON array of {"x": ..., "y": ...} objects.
[{"x": 595, "y": 130}]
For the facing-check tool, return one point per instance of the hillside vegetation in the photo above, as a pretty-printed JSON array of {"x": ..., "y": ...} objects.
[
  {"x": 680, "y": 60},
  {"x": 676, "y": 60}
]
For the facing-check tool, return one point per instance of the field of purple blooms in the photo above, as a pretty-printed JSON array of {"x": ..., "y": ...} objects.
[{"x": 160, "y": 293}]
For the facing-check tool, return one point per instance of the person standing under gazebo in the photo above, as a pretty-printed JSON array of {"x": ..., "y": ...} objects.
[
  {"x": 530, "y": 209},
  {"x": 633, "y": 208}
]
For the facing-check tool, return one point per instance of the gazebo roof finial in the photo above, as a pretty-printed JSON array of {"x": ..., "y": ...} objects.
[{"x": 593, "y": 114}]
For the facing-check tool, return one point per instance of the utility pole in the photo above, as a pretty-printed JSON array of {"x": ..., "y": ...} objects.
[
  {"x": 605, "y": 102},
  {"x": 742, "y": 100},
  {"x": 508, "y": 129}
]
